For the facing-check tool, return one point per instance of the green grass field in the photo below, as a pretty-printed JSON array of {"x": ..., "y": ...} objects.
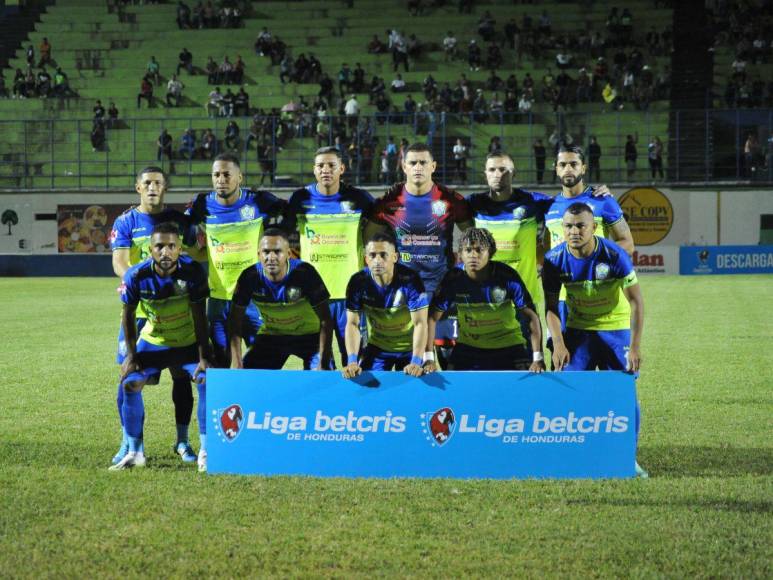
[{"x": 706, "y": 440}]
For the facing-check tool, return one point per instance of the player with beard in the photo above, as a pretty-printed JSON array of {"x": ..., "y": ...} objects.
[{"x": 230, "y": 219}]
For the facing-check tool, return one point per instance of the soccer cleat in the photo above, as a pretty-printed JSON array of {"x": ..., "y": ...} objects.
[
  {"x": 130, "y": 461},
  {"x": 202, "y": 461},
  {"x": 640, "y": 471},
  {"x": 185, "y": 451},
  {"x": 122, "y": 451}
]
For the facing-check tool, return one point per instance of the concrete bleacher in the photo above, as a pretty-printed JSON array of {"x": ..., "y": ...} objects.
[{"x": 105, "y": 57}]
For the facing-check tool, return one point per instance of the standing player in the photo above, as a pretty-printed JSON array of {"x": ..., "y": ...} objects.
[
  {"x": 328, "y": 217},
  {"x": 486, "y": 295},
  {"x": 421, "y": 214},
  {"x": 605, "y": 315},
  {"x": 171, "y": 289},
  {"x": 130, "y": 243},
  {"x": 395, "y": 304},
  {"x": 231, "y": 219},
  {"x": 293, "y": 302}
]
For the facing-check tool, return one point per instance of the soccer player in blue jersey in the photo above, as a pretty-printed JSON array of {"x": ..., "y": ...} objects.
[
  {"x": 421, "y": 214},
  {"x": 487, "y": 294},
  {"x": 605, "y": 316},
  {"x": 328, "y": 216},
  {"x": 231, "y": 220},
  {"x": 293, "y": 302},
  {"x": 130, "y": 243},
  {"x": 395, "y": 305},
  {"x": 171, "y": 289}
]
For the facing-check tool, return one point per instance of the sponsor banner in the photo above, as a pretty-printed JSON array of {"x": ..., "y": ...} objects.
[
  {"x": 448, "y": 424},
  {"x": 649, "y": 214},
  {"x": 697, "y": 260},
  {"x": 15, "y": 227},
  {"x": 656, "y": 260}
]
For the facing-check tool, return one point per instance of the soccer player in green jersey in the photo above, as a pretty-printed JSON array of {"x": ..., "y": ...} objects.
[
  {"x": 328, "y": 217},
  {"x": 393, "y": 298},
  {"x": 487, "y": 295}
]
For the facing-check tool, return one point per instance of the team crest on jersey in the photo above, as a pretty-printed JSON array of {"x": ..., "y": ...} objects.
[
  {"x": 180, "y": 288},
  {"x": 347, "y": 206},
  {"x": 602, "y": 271},
  {"x": 438, "y": 426},
  {"x": 439, "y": 208},
  {"x": 228, "y": 422},
  {"x": 247, "y": 212},
  {"x": 519, "y": 213},
  {"x": 498, "y": 295},
  {"x": 293, "y": 294},
  {"x": 399, "y": 299}
]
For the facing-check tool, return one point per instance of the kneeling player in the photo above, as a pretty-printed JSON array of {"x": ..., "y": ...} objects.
[
  {"x": 172, "y": 290},
  {"x": 487, "y": 295},
  {"x": 393, "y": 299},
  {"x": 293, "y": 302},
  {"x": 605, "y": 307}
]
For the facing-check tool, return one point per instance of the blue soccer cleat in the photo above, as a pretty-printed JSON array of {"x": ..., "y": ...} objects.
[
  {"x": 122, "y": 451},
  {"x": 185, "y": 451}
]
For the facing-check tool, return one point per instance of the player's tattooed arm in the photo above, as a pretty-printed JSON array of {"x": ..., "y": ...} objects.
[
  {"x": 435, "y": 315},
  {"x": 120, "y": 261},
  {"x": 129, "y": 322},
  {"x": 419, "y": 320},
  {"x": 201, "y": 329},
  {"x": 621, "y": 235},
  {"x": 235, "y": 319},
  {"x": 535, "y": 329},
  {"x": 561, "y": 355},
  {"x": 634, "y": 297},
  {"x": 325, "y": 335},
  {"x": 352, "y": 339}
]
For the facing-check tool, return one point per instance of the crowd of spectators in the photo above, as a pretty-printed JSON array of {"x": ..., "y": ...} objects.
[{"x": 209, "y": 14}]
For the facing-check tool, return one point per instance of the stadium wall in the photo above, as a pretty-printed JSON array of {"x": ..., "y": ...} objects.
[{"x": 661, "y": 220}]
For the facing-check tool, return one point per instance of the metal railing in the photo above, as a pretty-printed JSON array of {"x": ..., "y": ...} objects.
[{"x": 698, "y": 146}]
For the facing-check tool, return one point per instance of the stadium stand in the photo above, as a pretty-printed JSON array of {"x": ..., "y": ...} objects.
[{"x": 104, "y": 50}]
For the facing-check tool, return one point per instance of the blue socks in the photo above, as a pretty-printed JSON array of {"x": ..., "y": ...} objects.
[{"x": 134, "y": 417}]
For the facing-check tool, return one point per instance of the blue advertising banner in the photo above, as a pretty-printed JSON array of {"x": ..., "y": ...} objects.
[
  {"x": 697, "y": 260},
  {"x": 449, "y": 424}
]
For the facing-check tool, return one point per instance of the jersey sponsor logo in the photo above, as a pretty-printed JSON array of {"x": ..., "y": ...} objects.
[
  {"x": 405, "y": 257},
  {"x": 228, "y": 422},
  {"x": 439, "y": 426},
  {"x": 247, "y": 212},
  {"x": 519, "y": 213},
  {"x": 498, "y": 295},
  {"x": 439, "y": 208},
  {"x": 602, "y": 271}
]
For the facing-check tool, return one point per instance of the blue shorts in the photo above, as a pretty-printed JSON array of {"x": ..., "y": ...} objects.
[
  {"x": 602, "y": 349},
  {"x": 271, "y": 351},
  {"x": 153, "y": 359},
  {"x": 375, "y": 359},
  {"x": 469, "y": 358},
  {"x": 121, "y": 353},
  {"x": 217, "y": 314}
]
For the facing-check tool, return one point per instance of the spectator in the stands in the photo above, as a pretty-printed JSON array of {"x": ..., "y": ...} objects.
[
  {"x": 540, "y": 156},
  {"x": 409, "y": 105},
  {"x": 62, "y": 84},
  {"x": 19, "y": 86},
  {"x": 98, "y": 110},
  {"x": 227, "y": 104},
  {"x": 185, "y": 61},
  {"x": 375, "y": 46},
  {"x": 495, "y": 145},
  {"x": 237, "y": 75},
  {"x": 153, "y": 70},
  {"x": 352, "y": 111},
  {"x": 398, "y": 84},
  {"x": 594, "y": 160},
  {"x": 164, "y": 143},
  {"x": 225, "y": 71},
  {"x": 655, "y": 157},
  {"x": 98, "y": 135},
  {"x": 232, "y": 135},
  {"x": 214, "y": 101},
  {"x": 512, "y": 34},
  {"x": 480, "y": 107},
  {"x": 183, "y": 16},
  {"x": 174, "y": 91},
  {"x": 146, "y": 92},
  {"x": 486, "y": 25},
  {"x": 241, "y": 103},
  {"x": 524, "y": 104},
  {"x": 263, "y": 42},
  {"x": 325, "y": 88},
  {"x": 286, "y": 69},
  {"x": 208, "y": 148},
  {"x": 211, "y": 69},
  {"x": 631, "y": 154},
  {"x": 43, "y": 83},
  {"x": 45, "y": 53},
  {"x": 494, "y": 82},
  {"x": 399, "y": 48},
  {"x": 377, "y": 87},
  {"x": 450, "y": 46},
  {"x": 473, "y": 55},
  {"x": 112, "y": 116},
  {"x": 358, "y": 82},
  {"x": 413, "y": 47},
  {"x": 344, "y": 79},
  {"x": 494, "y": 57},
  {"x": 30, "y": 56}
]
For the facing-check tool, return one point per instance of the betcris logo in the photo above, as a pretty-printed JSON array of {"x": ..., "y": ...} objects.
[{"x": 439, "y": 427}]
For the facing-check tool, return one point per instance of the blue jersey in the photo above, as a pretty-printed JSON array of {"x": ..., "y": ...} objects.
[
  {"x": 594, "y": 285},
  {"x": 286, "y": 306},
  {"x": 424, "y": 228},
  {"x": 232, "y": 233},
  {"x": 606, "y": 213},
  {"x": 166, "y": 300},
  {"x": 330, "y": 231},
  {"x": 388, "y": 308},
  {"x": 133, "y": 228},
  {"x": 486, "y": 310}
]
